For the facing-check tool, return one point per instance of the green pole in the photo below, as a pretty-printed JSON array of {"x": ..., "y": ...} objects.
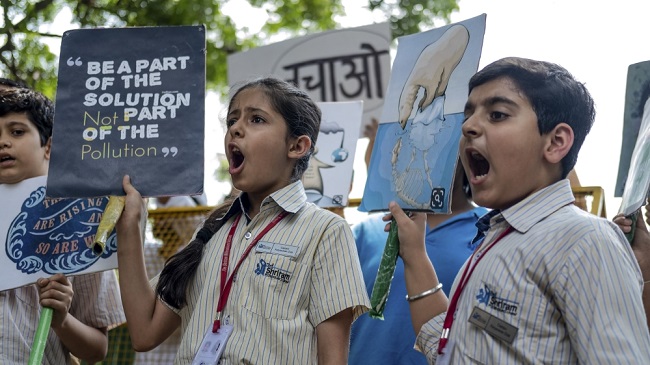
[{"x": 40, "y": 337}]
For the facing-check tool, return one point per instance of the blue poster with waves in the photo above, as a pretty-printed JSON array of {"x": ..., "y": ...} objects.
[{"x": 45, "y": 236}]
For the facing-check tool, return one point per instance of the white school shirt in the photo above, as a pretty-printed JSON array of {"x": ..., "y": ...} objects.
[
  {"x": 277, "y": 299},
  {"x": 566, "y": 279}
]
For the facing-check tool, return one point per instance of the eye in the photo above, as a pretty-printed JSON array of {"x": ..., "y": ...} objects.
[
  {"x": 257, "y": 119},
  {"x": 498, "y": 116},
  {"x": 230, "y": 122},
  {"x": 17, "y": 132}
]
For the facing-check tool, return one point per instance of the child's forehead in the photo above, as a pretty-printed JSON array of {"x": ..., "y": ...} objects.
[
  {"x": 497, "y": 89},
  {"x": 501, "y": 83},
  {"x": 16, "y": 118},
  {"x": 250, "y": 97}
]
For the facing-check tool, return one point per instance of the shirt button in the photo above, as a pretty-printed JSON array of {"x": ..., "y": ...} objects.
[{"x": 247, "y": 235}]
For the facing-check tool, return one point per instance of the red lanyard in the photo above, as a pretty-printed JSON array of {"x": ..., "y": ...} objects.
[
  {"x": 449, "y": 318},
  {"x": 226, "y": 281}
]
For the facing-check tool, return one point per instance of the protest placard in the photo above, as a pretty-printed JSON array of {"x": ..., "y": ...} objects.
[
  {"x": 416, "y": 149},
  {"x": 337, "y": 65},
  {"x": 45, "y": 236},
  {"x": 633, "y": 172},
  {"x": 129, "y": 101},
  {"x": 328, "y": 178}
]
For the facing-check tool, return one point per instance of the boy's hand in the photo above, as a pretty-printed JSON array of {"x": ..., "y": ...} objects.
[
  {"x": 411, "y": 232},
  {"x": 640, "y": 243},
  {"x": 56, "y": 292}
]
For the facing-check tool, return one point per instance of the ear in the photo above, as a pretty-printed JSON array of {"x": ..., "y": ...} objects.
[
  {"x": 299, "y": 147},
  {"x": 48, "y": 148},
  {"x": 559, "y": 142}
]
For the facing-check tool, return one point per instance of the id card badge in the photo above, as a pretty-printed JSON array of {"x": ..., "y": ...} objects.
[
  {"x": 212, "y": 346},
  {"x": 444, "y": 358}
]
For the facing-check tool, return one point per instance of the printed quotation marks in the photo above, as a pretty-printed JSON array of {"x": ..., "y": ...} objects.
[
  {"x": 74, "y": 62},
  {"x": 167, "y": 150}
]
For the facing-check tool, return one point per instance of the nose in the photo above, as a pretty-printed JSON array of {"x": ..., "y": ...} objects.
[
  {"x": 4, "y": 143},
  {"x": 236, "y": 129},
  {"x": 470, "y": 127}
]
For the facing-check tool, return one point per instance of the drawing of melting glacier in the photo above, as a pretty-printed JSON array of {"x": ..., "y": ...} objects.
[{"x": 416, "y": 148}]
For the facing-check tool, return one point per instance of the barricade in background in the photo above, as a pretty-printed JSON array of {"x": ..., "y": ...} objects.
[
  {"x": 593, "y": 197},
  {"x": 175, "y": 226}
]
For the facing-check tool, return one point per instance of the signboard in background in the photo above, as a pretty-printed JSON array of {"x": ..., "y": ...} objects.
[
  {"x": 338, "y": 65},
  {"x": 636, "y": 121},
  {"x": 637, "y": 182},
  {"x": 416, "y": 149},
  {"x": 328, "y": 179},
  {"x": 44, "y": 236},
  {"x": 129, "y": 101}
]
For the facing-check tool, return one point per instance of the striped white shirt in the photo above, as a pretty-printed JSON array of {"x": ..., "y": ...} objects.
[
  {"x": 281, "y": 294},
  {"x": 568, "y": 282},
  {"x": 96, "y": 303}
]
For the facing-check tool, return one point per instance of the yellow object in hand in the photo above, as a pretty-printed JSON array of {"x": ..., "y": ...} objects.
[{"x": 112, "y": 213}]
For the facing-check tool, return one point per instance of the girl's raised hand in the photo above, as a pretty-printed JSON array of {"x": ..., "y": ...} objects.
[{"x": 135, "y": 207}]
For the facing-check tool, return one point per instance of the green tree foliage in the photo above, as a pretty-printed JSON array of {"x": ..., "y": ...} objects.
[{"x": 25, "y": 57}]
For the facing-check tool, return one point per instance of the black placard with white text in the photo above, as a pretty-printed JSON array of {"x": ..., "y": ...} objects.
[{"x": 129, "y": 101}]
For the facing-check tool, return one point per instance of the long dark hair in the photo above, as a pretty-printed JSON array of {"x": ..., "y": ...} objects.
[
  {"x": 303, "y": 117},
  {"x": 181, "y": 267}
]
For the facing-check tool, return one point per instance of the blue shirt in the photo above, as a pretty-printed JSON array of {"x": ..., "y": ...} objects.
[{"x": 391, "y": 341}]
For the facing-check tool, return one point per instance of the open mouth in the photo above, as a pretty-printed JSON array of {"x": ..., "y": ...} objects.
[
  {"x": 236, "y": 158},
  {"x": 478, "y": 164},
  {"x": 5, "y": 158}
]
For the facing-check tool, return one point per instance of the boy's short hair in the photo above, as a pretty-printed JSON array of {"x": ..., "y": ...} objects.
[
  {"x": 38, "y": 108},
  {"x": 555, "y": 95},
  {"x": 9, "y": 83}
]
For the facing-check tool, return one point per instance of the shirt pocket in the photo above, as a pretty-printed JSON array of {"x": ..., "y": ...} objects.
[
  {"x": 523, "y": 309},
  {"x": 277, "y": 287}
]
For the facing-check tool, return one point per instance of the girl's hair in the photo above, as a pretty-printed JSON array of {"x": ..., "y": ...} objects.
[
  {"x": 301, "y": 113},
  {"x": 181, "y": 267},
  {"x": 303, "y": 117}
]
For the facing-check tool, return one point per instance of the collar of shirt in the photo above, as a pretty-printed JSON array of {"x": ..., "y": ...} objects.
[
  {"x": 528, "y": 212},
  {"x": 290, "y": 198},
  {"x": 539, "y": 205},
  {"x": 482, "y": 226}
]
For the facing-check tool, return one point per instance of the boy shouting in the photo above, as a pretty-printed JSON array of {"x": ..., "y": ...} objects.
[{"x": 550, "y": 283}]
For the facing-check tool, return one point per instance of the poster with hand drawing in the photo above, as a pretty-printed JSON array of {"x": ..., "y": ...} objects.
[
  {"x": 328, "y": 178},
  {"x": 46, "y": 236},
  {"x": 416, "y": 147}
]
